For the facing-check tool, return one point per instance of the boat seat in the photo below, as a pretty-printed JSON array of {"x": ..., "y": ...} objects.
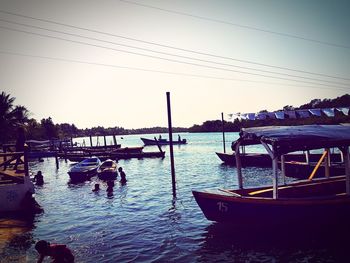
[{"x": 229, "y": 192}]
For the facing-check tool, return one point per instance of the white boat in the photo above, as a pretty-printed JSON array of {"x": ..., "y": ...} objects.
[
  {"x": 108, "y": 170},
  {"x": 85, "y": 169}
]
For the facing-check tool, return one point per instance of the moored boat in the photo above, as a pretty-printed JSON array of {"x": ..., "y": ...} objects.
[
  {"x": 155, "y": 141},
  {"x": 85, "y": 169},
  {"x": 264, "y": 160},
  {"x": 320, "y": 201},
  {"x": 108, "y": 170}
]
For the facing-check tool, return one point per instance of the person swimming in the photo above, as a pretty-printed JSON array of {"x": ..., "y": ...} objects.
[{"x": 58, "y": 252}]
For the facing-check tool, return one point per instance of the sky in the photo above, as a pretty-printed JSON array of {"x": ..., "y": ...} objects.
[{"x": 110, "y": 62}]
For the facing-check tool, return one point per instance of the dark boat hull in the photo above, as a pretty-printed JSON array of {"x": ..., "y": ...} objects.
[
  {"x": 138, "y": 155},
  {"x": 117, "y": 155},
  {"x": 161, "y": 142},
  {"x": 81, "y": 176},
  {"x": 107, "y": 175},
  {"x": 264, "y": 160},
  {"x": 262, "y": 211},
  {"x": 303, "y": 170}
]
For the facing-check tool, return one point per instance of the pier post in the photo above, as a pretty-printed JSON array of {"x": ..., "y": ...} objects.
[
  {"x": 173, "y": 180},
  {"x": 25, "y": 157},
  {"x": 223, "y": 131},
  {"x": 114, "y": 139},
  {"x": 90, "y": 140},
  {"x": 104, "y": 138},
  {"x": 56, "y": 159}
]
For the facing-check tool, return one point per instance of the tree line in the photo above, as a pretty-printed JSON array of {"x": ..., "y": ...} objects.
[{"x": 14, "y": 116}]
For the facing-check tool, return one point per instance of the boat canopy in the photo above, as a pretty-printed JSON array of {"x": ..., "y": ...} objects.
[{"x": 285, "y": 139}]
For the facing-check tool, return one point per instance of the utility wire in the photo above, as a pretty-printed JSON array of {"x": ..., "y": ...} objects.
[
  {"x": 166, "y": 59},
  {"x": 239, "y": 25},
  {"x": 156, "y": 71},
  {"x": 171, "y": 47},
  {"x": 169, "y": 54}
]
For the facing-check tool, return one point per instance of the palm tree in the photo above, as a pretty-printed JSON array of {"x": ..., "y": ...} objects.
[{"x": 11, "y": 117}]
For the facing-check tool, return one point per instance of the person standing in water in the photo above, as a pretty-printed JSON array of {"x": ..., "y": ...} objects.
[
  {"x": 122, "y": 175},
  {"x": 39, "y": 178}
]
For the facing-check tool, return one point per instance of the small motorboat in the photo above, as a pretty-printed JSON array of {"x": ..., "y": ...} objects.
[
  {"x": 108, "y": 170},
  {"x": 85, "y": 169}
]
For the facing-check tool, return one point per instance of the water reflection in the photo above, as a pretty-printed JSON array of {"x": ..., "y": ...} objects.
[
  {"x": 15, "y": 235},
  {"x": 293, "y": 243}
]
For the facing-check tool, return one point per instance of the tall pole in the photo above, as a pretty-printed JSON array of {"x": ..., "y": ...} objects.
[
  {"x": 171, "y": 145},
  {"x": 223, "y": 131}
]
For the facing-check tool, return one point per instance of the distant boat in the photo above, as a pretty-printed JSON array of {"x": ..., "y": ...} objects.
[
  {"x": 85, "y": 169},
  {"x": 321, "y": 201},
  {"x": 108, "y": 170},
  {"x": 162, "y": 141}
]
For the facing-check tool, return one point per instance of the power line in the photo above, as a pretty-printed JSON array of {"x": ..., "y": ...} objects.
[
  {"x": 167, "y": 59},
  {"x": 155, "y": 71},
  {"x": 171, "y": 47},
  {"x": 239, "y": 25},
  {"x": 169, "y": 54}
]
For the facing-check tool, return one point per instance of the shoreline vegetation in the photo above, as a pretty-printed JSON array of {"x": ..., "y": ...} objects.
[{"x": 13, "y": 116}]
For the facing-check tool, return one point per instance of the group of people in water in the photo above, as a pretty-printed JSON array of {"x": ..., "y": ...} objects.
[
  {"x": 60, "y": 252},
  {"x": 110, "y": 183}
]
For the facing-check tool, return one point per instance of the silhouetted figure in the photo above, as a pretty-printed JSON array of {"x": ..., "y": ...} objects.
[
  {"x": 179, "y": 138},
  {"x": 110, "y": 185},
  {"x": 122, "y": 176},
  {"x": 58, "y": 252},
  {"x": 30, "y": 205},
  {"x": 39, "y": 178},
  {"x": 160, "y": 137},
  {"x": 97, "y": 188},
  {"x": 20, "y": 141}
]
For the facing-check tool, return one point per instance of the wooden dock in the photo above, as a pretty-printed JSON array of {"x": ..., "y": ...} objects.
[{"x": 8, "y": 173}]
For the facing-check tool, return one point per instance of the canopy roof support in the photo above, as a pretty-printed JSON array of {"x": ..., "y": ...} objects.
[
  {"x": 327, "y": 160},
  {"x": 274, "y": 158},
  {"x": 283, "y": 168},
  {"x": 238, "y": 165},
  {"x": 345, "y": 151}
]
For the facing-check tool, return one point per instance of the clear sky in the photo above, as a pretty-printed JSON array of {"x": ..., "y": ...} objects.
[{"x": 111, "y": 62}]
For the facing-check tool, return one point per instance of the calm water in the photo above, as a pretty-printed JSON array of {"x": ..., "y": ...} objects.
[{"x": 141, "y": 222}]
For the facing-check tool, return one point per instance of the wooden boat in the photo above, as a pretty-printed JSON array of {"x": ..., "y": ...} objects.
[
  {"x": 264, "y": 160},
  {"x": 302, "y": 170},
  {"x": 161, "y": 141},
  {"x": 321, "y": 201},
  {"x": 85, "y": 169},
  {"x": 123, "y": 153},
  {"x": 136, "y": 149},
  {"x": 139, "y": 155},
  {"x": 108, "y": 170}
]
